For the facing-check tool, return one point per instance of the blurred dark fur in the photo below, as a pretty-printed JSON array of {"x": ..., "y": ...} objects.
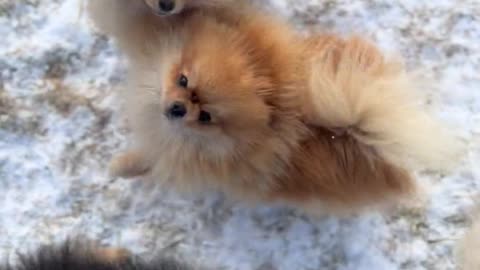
[{"x": 76, "y": 256}]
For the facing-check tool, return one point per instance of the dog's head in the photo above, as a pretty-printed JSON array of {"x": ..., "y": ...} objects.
[{"x": 211, "y": 90}]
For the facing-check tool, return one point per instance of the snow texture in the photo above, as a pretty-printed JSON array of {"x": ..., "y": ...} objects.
[{"x": 59, "y": 126}]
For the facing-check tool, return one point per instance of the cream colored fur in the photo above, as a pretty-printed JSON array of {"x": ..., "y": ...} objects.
[{"x": 377, "y": 101}]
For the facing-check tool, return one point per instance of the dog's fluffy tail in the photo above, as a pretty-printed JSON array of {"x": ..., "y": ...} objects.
[{"x": 354, "y": 88}]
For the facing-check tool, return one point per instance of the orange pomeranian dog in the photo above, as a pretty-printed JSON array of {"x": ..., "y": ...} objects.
[{"x": 231, "y": 98}]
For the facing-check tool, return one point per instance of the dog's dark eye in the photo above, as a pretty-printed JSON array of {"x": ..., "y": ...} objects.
[
  {"x": 183, "y": 81},
  {"x": 204, "y": 117}
]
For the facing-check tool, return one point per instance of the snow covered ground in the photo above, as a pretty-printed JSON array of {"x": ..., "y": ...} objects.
[{"x": 58, "y": 129}]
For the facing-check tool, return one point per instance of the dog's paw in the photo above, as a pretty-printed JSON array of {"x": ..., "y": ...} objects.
[{"x": 128, "y": 165}]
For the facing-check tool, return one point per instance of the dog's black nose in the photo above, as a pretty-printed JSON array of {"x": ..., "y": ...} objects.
[
  {"x": 177, "y": 110},
  {"x": 166, "y": 5}
]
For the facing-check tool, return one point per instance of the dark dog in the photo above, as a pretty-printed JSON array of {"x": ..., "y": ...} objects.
[{"x": 81, "y": 256}]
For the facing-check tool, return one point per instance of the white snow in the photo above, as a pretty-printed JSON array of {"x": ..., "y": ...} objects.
[{"x": 59, "y": 127}]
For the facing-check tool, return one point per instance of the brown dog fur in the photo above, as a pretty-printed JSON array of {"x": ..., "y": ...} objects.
[{"x": 309, "y": 121}]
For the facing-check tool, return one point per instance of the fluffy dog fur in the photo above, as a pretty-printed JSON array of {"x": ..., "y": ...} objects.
[
  {"x": 310, "y": 121},
  {"x": 136, "y": 25},
  {"x": 84, "y": 256}
]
